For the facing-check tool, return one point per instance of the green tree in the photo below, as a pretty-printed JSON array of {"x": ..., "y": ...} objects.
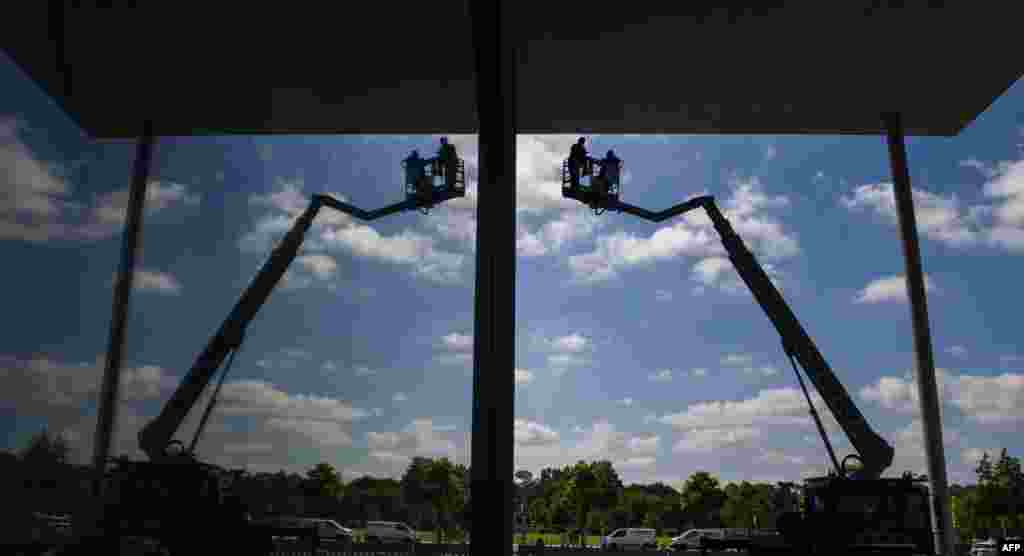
[
  {"x": 539, "y": 513},
  {"x": 446, "y": 495},
  {"x": 1007, "y": 483},
  {"x": 325, "y": 480},
  {"x": 46, "y": 450},
  {"x": 579, "y": 491},
  {"x": 597, "y": 521},
  {"x": 702, "y": 499},
  {"x": 414, "y": 488}
]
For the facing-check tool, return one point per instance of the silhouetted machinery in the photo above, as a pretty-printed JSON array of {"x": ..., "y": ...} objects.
[
  {"x": 187, "y": 505},
  {"x": 430, "y": 179},
  {"x": 851, "y": 509}
]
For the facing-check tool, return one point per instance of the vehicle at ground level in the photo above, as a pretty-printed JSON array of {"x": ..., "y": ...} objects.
[
  {"x": 630, "y": 539},
  {"x": 724, "y": 539},
  {"x": 327, "y": 530},
  {"x": 988, "y": 547},
  {"x": 389, "y": 531}
]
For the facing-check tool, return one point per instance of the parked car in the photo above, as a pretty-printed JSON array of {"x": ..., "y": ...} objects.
[
  {"x": 722, "y": 539},
  {"x": 389, "y": 532},
  {"x": 626, "y": 539},
  {"x": 327, "y": 530}
]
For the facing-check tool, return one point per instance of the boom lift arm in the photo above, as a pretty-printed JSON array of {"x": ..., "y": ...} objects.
[
  {"x": 875, "y": 453},
  {"x": 156, "y": 436}
]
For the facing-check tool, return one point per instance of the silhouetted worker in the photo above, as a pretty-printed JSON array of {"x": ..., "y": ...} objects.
[
  {"x": 577, "y": 160},
  {"x": 414, "y": 174},
  {"x": 448, "y": 160},
  {"x": 609, "y": 173}
]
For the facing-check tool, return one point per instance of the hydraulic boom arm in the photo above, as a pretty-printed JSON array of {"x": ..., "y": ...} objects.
[
  {"x": 874, "y": 452},
  {"x": 157, "y": 434}
]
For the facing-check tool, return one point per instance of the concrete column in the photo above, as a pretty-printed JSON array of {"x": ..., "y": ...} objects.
[
  {"x": 494, "y": 328},
  {"x": 927, "y": 389},
  {"x": 107, "y": 412}
]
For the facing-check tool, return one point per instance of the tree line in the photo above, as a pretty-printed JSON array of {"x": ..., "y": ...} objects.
[
  {"x": 434, "y": 495},
  {"x": 994, "y": 506}
]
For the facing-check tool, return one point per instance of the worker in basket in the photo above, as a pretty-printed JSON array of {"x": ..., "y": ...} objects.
[
  {"x": 608, "y": 176},
  {"x": 414, "y": 175},
  {"x": 577, "y": 161},
  {"x": 448, "y": 161}
]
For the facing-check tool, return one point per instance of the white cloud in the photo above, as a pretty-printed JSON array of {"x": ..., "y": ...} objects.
[
  {"x": 777, "y": 406},
  {"x": 996, "y": 399},
  {"x": 766, "y": 370},
  {"x": 560, "y": 362},
  {"x": 523, "y": 376},
  {"x": 322, "y": 267},
  {"x": 545, "y": 448},
  {"x": 394, "y": 450},
  {"x": 363, "y": 370},
  {"x": 573, "y": 343},
  {"x": 737, "y": 360},
  {"x": 663, "y": 375},
  {"x": 971, "y": 456},
  {"x": 957, "y": 351},
  {"x": 335, "y": 232},
  {"x": 326, "y": 433},
  {"x": 663, "y": 295},
  {"x": 327, "y": 365},
  {"x": 399, "y": 397},
  {"x": 456, "y": 341},
  {"x": 719, "y": 273},
  {"x": 708, "y": 440},
  {"x": 775, "y": 457},
  {"x": 890, "y": 288},
  {"x": 991, "y": 399},
  {"x": 626, "y": 402},
  {"x": 938, "y": 218},
  {"x": 899, "y": 393},
  {"x": 37, "y": 199},
  {"x": 152, "y": 281},
  {"x": 700, "y": 371},
  {"x": 458, "y": 349},
  {"x": 528, "y": 433},
  {"x": 256, "y": 398},
  {"x": 998, "y": 222},
  {"x": 644, "y": 444},
  {"x": 910, "y": 447},
  {"x": 692, "y": 236},
  {"x": 44, "y": 386}
]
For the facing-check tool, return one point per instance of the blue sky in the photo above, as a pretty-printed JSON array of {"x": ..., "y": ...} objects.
[{"x": 635, "y": 341}]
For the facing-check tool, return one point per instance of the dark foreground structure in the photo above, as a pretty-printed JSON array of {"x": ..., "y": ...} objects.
[{"x": 500, "y": 68}]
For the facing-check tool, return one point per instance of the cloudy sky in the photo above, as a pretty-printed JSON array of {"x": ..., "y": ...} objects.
[{"x": 635, "y": 342}]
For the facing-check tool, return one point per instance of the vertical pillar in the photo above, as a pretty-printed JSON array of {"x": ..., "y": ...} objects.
[
  {"x": 122, "y": 293},
  {"x": 927, "y": 389},
  {"x": 494, "y": 326}
]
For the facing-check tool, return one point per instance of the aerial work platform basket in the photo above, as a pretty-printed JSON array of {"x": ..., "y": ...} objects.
[
  {"x": 593, "y": 189},
  {"x": 432, "y": 183}
]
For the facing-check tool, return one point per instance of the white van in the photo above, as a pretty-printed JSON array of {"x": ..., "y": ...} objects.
[
  {"x": 389, "y": 531},
  {"x": 626, "y": 539}
]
